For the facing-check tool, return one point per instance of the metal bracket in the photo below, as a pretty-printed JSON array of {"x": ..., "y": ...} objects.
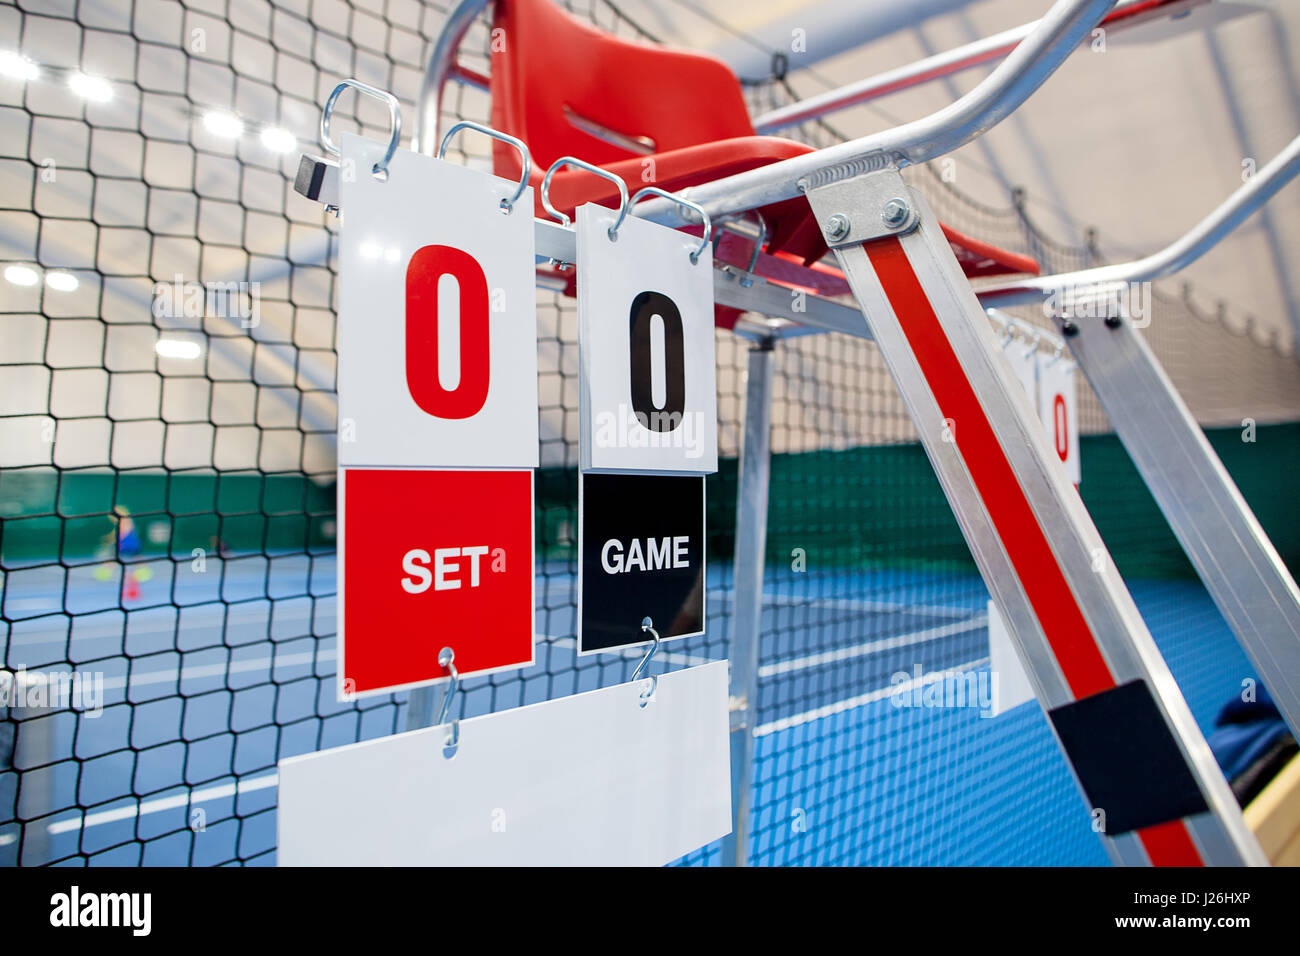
[
  {"x": 872, "y": 205},
  {"x": 800, "y": 312}
]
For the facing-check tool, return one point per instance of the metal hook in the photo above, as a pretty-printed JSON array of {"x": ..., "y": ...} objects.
[
  {"x": 603, "y": 174},
  {"x": 1008, "y": 332},
  {"x": 1035, "y": 337},
  {"x": 759, "y": 243},
  {"x": 519, "y": 144},
  {"x": 647, "y": 695},
  {"x": 394, "y": 112},
  {"x": 446, "y": 659},
  {"x": 685, "y": 204}
]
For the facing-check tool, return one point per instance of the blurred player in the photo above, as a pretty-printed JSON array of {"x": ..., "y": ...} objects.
[{"x": 123, "y": 543}]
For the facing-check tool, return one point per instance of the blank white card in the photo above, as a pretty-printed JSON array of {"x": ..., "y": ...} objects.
[{"x": 589, "y": 780}]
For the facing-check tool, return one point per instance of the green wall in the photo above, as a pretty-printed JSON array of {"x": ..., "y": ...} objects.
[
  {"x": 1130, "y": 523},
  {"x": 44, "y": 513},
  {"x": 822, "y": 501},
  {"x": 875, "y": 506}
]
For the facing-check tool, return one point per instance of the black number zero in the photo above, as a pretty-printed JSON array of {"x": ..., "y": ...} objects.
[{"x": 645, "y": 307}]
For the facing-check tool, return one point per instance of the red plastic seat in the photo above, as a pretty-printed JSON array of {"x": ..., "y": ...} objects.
[{"x": 652, "y": 115}]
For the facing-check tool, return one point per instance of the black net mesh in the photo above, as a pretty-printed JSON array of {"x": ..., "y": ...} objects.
[{"x": 167, "y": 463}]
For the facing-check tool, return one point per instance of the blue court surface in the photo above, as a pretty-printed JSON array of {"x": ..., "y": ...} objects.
[{"x": 211, "y": 676}]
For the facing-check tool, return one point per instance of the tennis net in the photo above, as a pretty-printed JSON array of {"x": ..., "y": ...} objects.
[{"x": 167, "y": 524}]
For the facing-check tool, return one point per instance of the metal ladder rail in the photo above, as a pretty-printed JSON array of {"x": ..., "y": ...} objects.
[
  {"x": 1239, "y": 566},
  {"x": 1109, "y": 695}
]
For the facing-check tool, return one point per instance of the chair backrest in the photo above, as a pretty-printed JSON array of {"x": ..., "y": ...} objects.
[{"x": 566, "y": 88}]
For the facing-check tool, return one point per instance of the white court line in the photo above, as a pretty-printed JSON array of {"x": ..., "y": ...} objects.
[
  {"x": 231, "y": 621},
  {"x": 269, "y": 780},
  {"x": 199, "y": 671},
  {"x": 871, "y": 647},
  {"x": 852, "y": 604},
  {"x": 163, "y": 803},
  {"x": 272, "y": 779},
  {"x": 196, "y": 671},
  {"x": 855, "y": 604},
  {"x": 253, "y": 609},
  {"x": 827, "y": 710}
]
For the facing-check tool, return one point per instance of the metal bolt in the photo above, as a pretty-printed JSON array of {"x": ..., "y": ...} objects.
[
  {"x": 895, "y": 213},
  {"x": 1069, "y": 329},
  {"x": 1113, "y": 321},
  {"x": 837, "y": 227}
]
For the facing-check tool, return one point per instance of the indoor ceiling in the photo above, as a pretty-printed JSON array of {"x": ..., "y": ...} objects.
[{"x": 1138, "y": 140}]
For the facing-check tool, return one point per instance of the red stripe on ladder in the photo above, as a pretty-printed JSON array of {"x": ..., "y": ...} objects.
[
  {"x": 1040, "y": 574},
  {"x": 1169, "y": 844}
]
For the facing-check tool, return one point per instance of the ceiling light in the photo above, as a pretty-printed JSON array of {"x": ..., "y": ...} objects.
[
  {"x": 22, "y": 275},
  {"x": 279, "y": 140},
  {"x": 61, "y": 281},
  {"x": 91, "y": 88},
  {"x": 17, "y": 67},
  {"x": 178, "y": 348},
  {"x": 225, "y": 125}
]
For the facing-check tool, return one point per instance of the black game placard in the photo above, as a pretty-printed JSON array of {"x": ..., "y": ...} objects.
[{"x": 642, "y": 555}]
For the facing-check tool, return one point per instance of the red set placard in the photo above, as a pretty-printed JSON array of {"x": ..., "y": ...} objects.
[{"x": 437, "y": 424}]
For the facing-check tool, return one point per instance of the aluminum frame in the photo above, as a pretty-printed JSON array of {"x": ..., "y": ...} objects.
[
  {"x": 1239, "y": 566},
  {"x": 1043, "y": 49},
  {"x": 1233, "y": 557},
  {"x": 441, "y": 65},
  {"x": 996, "y": 96},
  {"x": 1107, "y": 612},
  {"x": 747, "y": 588},
  {"x": 1200, "y": 239},
  {"x": 775, "y": 309},
  {"x": 1127, "y": 14}
]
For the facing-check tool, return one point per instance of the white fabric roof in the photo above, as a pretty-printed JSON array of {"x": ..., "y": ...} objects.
[{"x": 1140, "y": 140}]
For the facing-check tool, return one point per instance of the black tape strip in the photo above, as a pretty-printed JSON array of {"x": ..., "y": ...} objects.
[{"x": 1127, "y": 759}]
